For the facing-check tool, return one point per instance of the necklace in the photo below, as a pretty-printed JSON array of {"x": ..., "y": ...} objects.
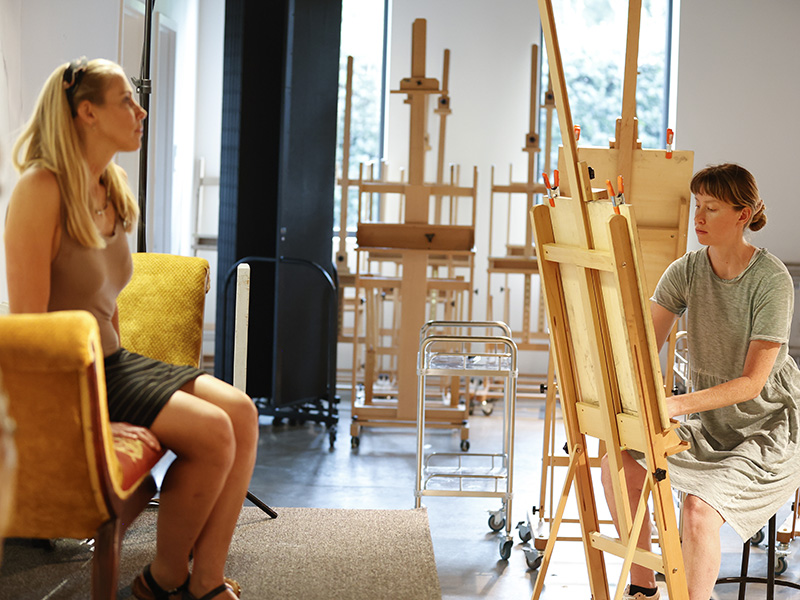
[{"x": 100, "y": 212}]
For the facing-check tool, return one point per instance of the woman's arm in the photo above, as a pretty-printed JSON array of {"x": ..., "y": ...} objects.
[
  {"x": 663, "y": 320},
  {"x": 760, "y": 359},
  {"x": 32, "y": 236}
]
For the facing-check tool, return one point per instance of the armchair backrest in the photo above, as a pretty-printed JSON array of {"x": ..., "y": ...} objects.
[
  {"x": 52, "y": 367},
  {"x": 161, "y": 309}
]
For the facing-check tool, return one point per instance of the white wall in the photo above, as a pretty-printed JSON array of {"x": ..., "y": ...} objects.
[
  {"x": 738, "y": 93},
  {"x": 73, "y": 29}
]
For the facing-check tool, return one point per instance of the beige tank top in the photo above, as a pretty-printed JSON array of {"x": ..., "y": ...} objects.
[{"x": 90, "y": 279}]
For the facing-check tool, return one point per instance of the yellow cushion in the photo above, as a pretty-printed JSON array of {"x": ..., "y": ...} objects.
[{"x": 161, "y": 309}]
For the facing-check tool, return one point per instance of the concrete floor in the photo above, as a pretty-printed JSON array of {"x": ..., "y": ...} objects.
[{"x": 297, "y": 467}]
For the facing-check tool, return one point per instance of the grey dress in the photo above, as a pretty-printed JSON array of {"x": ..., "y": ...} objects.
[{"x": 745, "y": 458}]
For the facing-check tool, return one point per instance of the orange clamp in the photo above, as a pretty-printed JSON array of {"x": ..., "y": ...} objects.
[
  {"x": 670, "y": 137},
  {"x": 612, "y": 196},
  {"x": 577, "y": 130},
  {"x": 552, "y": 191}
]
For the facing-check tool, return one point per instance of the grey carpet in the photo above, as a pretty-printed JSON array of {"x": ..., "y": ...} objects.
[{"x": 306, "y": 553}]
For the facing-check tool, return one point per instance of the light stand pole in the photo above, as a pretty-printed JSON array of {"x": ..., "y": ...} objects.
[{"x": 144, "y": 88}]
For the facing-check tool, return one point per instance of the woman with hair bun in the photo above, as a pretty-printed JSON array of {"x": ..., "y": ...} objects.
[
  {"x": 743, "y": 409},
  {"x": 66, "y": 249}
]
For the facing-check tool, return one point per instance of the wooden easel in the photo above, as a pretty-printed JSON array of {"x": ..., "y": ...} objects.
[
  {"x": 610, "y": 383},
  {"x": 519, "y": 261},
  {"x": 656, "y": 183},
  {"x": 414, "y": 244}
]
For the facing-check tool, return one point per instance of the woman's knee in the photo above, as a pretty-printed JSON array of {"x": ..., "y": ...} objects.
[
  {"x": 196, "y": 430},
  {"x": 699, "y": 517},
  {"x": 244, "y": 417}
]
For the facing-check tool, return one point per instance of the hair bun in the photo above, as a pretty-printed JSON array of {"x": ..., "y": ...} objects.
[{"x": 759, "y": 219}]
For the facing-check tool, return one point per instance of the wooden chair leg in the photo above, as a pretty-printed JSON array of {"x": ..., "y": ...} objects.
[{"x": 105, "y": 567}]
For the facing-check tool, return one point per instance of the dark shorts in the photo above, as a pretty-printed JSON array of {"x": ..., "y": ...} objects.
[{"x": 138, "y": 387}]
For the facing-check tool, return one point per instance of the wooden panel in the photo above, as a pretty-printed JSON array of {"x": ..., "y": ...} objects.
[
  {"x": 657, "y": 181},
  {"x": 568, "y": 230},
  {"x": 599, "y": 213},
  {"x": 415, "y": 236}
]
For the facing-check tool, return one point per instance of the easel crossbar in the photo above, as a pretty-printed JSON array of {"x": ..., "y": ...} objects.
[{"x": 597, "y": 260}]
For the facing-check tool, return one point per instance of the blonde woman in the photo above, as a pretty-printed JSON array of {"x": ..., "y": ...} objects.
[
  {"x": 744, "y": 411},
  {"x": 66, "y": 249}
]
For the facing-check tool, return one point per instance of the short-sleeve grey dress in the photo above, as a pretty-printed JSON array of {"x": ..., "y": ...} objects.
[{"x": 744, "y": 459}]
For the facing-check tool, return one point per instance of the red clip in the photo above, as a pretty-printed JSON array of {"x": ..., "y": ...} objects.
[
  {"x": 577, "y": 130},
  {"x": 670, "y": 137}
]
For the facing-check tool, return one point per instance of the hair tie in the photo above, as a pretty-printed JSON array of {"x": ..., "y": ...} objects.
[{"x": 73, "y": 75}]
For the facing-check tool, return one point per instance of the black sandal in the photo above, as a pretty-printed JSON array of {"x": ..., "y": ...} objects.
[
  {"x": 187, "y": 595},
  {"x": 145, "y": 587}
]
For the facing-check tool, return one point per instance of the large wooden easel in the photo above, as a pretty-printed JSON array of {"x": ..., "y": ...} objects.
[
  {"x": 656, "y": 184},
  {"x": 610, "y": 384},
  {"x": 419, "y": 248}
]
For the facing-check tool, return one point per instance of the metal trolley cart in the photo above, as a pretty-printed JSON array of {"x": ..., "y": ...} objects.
[{"x": 461, "y": 474}]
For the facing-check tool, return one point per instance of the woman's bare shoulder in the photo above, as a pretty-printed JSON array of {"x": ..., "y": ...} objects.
[{"x": 37, "y": 191}]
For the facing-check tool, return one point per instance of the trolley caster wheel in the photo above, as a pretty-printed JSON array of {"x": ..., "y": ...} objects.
[
  {"x": 757, "y": 538},
  {"x": 781, "y": 564},
  {"x": 332, "y": 438},
  {"x": 524, "y": 531},
  {"x": 496, "y": 521},
  {"x": 505, "y": 549},
  {"x": 354, "y": 442},
  {"x": 487, "y": 408},
  {"x": 464, "y": 445},
  {"x": 533, "y": 558}
]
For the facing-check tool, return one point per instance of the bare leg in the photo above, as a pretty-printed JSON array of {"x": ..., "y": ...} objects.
[
  {"x": 634, "y": 480},
  {"x": 701, "y": 546},
  {"x": 211, "y": 547},
  {"x": 213, "y": 430}
]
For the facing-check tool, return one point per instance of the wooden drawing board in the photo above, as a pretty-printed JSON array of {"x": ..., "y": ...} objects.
[{"x": 659, "y": 189}]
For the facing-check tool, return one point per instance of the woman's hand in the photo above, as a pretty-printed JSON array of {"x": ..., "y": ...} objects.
[
  {"x": 674, "y": 406},
  {"x": 134, "y": 432}
]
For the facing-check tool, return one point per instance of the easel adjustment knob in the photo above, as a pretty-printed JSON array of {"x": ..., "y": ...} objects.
[{"x": 660, "y": 474}]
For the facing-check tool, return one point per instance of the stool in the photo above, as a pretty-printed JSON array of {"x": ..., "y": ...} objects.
[{"x": 743, "y": 579}]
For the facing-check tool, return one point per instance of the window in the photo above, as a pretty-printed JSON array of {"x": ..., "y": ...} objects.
[
  {"x": 363, "y": 36},
  {"x": 593, "y": 36}
]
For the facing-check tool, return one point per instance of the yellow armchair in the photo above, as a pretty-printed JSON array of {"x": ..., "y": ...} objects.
[
  {"x": 71, "y": 482},
  {"x": 74, "y": 479}
]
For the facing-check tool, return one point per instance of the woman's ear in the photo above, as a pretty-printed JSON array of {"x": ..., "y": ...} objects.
[
  {"x": 86, "y": 113},
  {"x": 745, "y": 215}
]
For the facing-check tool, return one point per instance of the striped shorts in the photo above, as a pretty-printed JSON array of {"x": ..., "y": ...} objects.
[{"x": 138, "y": 387}]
